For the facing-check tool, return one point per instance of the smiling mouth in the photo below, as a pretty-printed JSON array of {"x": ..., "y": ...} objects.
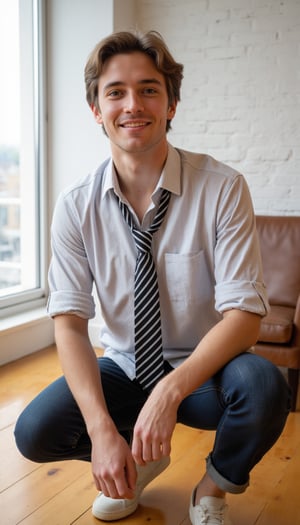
[{"x": 135, "y": 124}]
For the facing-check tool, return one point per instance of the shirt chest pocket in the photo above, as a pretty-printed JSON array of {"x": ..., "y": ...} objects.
[{"x": 187, "y": 278}]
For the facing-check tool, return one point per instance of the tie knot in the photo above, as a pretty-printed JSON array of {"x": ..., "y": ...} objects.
[{"x": 143, "y": 240}]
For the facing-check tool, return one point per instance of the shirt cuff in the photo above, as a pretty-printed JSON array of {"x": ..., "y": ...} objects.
[
  {"x": 64, "y": 301},
  {"x": 250, "y": 296}
]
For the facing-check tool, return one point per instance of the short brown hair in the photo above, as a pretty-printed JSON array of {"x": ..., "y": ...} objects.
[{"x": 150, "y": 43}]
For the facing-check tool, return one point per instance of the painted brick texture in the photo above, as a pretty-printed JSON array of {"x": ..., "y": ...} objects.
[{"x": 241, "y": 89}]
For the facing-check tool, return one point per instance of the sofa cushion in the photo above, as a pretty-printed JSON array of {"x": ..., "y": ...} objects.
[
  {"x": 277, "y": 326},
  {"x": 279, "y": 239}
]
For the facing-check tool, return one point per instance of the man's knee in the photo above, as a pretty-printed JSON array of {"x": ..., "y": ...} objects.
[
  {"x": 28, "y": 436},
  {"x": 262, "y": 384}
]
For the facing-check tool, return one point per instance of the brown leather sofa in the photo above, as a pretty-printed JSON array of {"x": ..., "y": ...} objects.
[{"x": 279, "y": 338}]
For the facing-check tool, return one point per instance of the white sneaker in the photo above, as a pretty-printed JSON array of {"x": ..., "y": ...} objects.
[
  {"x": 210, "y": 510},
  {"x": 110, "y": 509}
]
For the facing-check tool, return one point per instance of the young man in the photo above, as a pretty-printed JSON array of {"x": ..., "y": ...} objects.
[{"x": 153, "y": 214}]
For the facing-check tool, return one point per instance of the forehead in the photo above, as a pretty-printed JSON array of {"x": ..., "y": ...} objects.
[{"x": 127, "y": 68}]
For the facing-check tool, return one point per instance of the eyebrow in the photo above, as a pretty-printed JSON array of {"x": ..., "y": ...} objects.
[{"x": 144, "y": 81}]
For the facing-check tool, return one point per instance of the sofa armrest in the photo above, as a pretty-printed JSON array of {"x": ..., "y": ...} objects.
[{"x": 296, "y": 336}]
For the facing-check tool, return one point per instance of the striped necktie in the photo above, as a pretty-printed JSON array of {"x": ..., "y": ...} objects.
[{"x": 149, "y": 364}]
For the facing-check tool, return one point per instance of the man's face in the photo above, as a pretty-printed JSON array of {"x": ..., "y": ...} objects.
[{"x": 133, "y": 103}]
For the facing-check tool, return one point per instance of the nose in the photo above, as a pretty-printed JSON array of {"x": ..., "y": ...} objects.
[{"x": 133, "y": 103}]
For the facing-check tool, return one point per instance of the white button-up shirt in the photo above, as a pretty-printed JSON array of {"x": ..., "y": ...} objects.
[{"x": 206, "y": 254}]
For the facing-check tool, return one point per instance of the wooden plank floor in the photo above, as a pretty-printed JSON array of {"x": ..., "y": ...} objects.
[{"x": 61, "y": 493}]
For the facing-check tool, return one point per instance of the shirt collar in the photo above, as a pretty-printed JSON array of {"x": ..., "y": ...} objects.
[
  {"x": 171, "y": 175},
  {"x": 170, "y": 178},
  {"x": 110, "y": 178}
]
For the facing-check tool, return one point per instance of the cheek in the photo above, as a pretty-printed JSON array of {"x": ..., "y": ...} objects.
[{"x": 107, "y": 117}]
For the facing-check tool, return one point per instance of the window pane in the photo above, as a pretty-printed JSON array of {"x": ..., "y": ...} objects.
[
  {"x": 19, "y": 181},
  {"x": 9, "y": 145}
]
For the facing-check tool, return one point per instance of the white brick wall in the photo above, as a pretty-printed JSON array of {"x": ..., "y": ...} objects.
[{"x": 241, "y": 88}]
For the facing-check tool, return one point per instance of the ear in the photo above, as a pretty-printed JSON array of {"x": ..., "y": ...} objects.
[
  {"x": 171, "y": 110},
  {"x": 97, "y": 114}
]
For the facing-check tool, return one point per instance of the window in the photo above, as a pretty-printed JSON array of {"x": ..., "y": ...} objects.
[{"x": 22, "y": 261}]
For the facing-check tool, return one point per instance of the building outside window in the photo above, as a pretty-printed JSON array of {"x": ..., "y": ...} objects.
[{"x": 22, "y": 258}]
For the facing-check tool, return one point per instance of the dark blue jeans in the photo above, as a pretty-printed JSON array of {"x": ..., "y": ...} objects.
[{"x": 247, "y": 403}]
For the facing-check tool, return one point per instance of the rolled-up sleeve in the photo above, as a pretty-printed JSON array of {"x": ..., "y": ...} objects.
[
  {"x": 238, "y": 267},
  {"x": 70, "y": 278},
  {"x": 242, "y": 295}
]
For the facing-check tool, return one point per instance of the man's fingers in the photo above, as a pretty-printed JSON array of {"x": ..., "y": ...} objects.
[
  {"x": 137, "y": 450},
  {"x": 156, "y": 451},
  {"x": 116, "y": 488},
  {"x": 166, "y": 448},
  {"x": 131, "y": 475},
  {"x": 144, "y": 451},
  {"x": 123, "y": 490}
]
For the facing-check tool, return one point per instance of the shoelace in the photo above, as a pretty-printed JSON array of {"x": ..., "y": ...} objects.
[{"x": 210, "y": 516}]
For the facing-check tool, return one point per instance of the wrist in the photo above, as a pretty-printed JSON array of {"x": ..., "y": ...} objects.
[
  {"x": 169, "y": 388},
  {"x": 101, "y": 425}
]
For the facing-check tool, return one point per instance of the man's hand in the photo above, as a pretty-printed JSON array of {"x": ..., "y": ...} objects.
[
  {"x": 154, "y": 427},
  {"x": 113, "y": 466},
  {"x": 112, "y": 462},
  {"x": 234, "y": 334}
]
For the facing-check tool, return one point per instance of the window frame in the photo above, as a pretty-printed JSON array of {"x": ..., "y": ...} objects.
[{"x": 17, "y": 302}]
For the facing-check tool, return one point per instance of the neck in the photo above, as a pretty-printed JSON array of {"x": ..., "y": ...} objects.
[{"x": 138, "y": 176}]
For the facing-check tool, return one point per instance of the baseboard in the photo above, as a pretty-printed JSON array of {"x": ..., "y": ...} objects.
[{"x": 26, "y": 335}]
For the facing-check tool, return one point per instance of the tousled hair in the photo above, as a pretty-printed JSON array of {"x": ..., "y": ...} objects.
[{"x": 123, "y": 42}]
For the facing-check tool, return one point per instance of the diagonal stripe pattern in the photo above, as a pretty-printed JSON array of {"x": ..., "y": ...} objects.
[{"x": 147, "y": 325}]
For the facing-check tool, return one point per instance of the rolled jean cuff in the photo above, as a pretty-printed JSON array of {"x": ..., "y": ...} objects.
[{"x": 222, "y": 482}]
